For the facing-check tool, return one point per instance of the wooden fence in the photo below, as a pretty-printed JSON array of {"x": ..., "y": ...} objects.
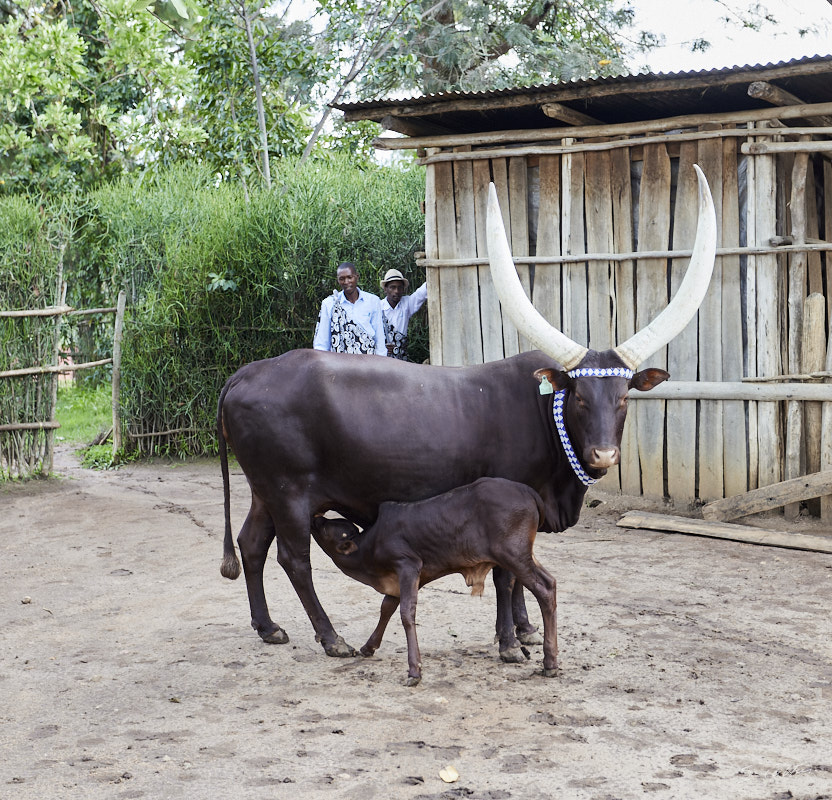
[
  {"x": 27, "y": 446},
  {"x": 601, "y": 230}
]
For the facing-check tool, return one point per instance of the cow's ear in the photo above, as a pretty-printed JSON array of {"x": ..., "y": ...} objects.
[
  {"x": 648, "y": 379},
  {"x": 555, "y": 378},
  {"x": 346, "y": 547}
]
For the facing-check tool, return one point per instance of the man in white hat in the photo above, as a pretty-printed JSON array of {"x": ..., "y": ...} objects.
[{"x": 397, "y": 309}]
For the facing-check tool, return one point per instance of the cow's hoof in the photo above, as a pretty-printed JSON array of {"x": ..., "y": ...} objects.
[
  {"x": 530, "y": 637},
  {"x": 514, "y": 655},
  {"x": 411, "y": 681},
  {"x": 339, "y": 649},
  {"x": 551, "y": 673},
  {"x": 277, "y": 636}
]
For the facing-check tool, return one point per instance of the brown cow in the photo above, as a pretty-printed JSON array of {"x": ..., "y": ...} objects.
[{"x": 491, "y": 522}]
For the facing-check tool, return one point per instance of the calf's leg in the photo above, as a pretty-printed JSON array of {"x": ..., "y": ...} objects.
[
  {"x": 388, "y": 606},
  {"x": 504, "y": 583},
  {"x": 409, "y": 588},
  {"x": 544, "y": 587},
  {"x": 526, "y": 632}
]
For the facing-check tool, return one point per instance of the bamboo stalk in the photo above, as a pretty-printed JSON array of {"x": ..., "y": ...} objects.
[
  {"x": 760, "y": 148},
  {"x": 51, "y": 311},
  {"x": 16, "y": 373},
  {"x": 29, "y": 426}
]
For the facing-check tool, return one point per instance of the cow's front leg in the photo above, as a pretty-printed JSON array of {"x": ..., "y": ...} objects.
[
  {"x": 388, "y": 606},
  {"x": 293, "y": 555},
  {"x": 511, "y": 650},
  {"x": 256, "y": 536}
]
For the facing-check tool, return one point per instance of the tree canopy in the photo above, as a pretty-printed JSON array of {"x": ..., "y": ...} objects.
[{"x": 94, "y": 88}]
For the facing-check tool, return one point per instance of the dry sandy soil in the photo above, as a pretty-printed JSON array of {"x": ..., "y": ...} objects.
[{"x": 691, "y": 667}]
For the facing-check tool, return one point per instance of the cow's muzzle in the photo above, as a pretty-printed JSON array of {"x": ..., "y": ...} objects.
[{"x": 602, "y": 457}]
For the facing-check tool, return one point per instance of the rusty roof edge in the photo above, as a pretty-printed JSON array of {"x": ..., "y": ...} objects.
[{"x": 585, "y": 87}]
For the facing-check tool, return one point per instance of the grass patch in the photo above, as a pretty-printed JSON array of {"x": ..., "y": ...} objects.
[{"x": 84, "y": 413}]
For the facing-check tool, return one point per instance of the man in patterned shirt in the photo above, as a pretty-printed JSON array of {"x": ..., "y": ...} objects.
[{"x": 350, "y": 321}]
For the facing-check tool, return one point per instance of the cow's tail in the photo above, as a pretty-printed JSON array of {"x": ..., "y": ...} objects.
[{"x": 230, "y": 562}]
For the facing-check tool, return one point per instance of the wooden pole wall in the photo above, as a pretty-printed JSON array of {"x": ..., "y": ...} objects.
[{"x": 589, "y": 203}]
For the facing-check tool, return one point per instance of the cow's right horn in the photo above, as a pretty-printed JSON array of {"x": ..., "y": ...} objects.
[
  {"x": 684, "y": 304},
  {"x": 516, "y": 304}
]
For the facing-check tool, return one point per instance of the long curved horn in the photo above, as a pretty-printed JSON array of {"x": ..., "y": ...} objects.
[
  {"x": 516, "y": 304},
  {"x": 685, "y": 303}
]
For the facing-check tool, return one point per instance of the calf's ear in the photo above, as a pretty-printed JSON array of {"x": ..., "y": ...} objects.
[
  {"x": 346, "y": 547},
  {"x": 648, "y": 379}
]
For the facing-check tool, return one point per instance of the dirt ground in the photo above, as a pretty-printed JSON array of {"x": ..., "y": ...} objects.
[{"x": 691, "y": 667}]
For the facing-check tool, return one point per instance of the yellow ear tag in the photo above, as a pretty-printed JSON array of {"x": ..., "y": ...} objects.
[{"x": 545, "y": 387}]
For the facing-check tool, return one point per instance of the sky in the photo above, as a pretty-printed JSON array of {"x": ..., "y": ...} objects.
[{"x": 681, "y": 21}]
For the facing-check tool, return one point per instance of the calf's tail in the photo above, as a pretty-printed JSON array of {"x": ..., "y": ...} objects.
[{"x": 230, "y": 562}]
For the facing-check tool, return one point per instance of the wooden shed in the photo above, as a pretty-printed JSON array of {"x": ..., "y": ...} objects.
[{"x": 598, "y": 195}]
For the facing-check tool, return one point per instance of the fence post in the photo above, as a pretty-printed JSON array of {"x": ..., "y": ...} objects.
[{"x": 116, "y": 404}]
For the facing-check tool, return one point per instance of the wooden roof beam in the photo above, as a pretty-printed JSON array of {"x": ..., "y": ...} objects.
[
  {"x": 763, "y": 90},
  {"x": 568, "y": 115}
]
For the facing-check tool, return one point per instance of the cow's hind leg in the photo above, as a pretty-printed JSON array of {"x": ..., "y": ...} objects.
[
  {"x": 293, "y": 555},
  {"x": 511, "y": 650},
  {"x": 254, "y": 541}
]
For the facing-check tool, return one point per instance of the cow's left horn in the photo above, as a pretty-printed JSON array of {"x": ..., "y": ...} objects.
[
  {"x": 682, "y": 308},
  {"x": 516, "y": 304}
]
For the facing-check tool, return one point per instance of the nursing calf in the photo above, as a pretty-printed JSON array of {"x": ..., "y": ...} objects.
[{"x": 469, "y": 530}]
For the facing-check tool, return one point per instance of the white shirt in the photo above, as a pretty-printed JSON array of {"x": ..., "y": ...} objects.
[
  {"x": 366, "y": 311},
  {"x": 407, "y": 306}
]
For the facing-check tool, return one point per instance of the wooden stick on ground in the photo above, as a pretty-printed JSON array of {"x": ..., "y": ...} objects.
[{"x": 725, "y": 530}]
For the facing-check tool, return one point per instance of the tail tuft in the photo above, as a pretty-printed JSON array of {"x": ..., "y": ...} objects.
[{"x": 230, "y": 566}]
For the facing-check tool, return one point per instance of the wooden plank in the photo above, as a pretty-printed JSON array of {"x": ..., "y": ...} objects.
[
  {"x": 469, "y": 326},
  {"x": 574, "y": 241},
  {"x": 651, "y": 281},
  {"x": 725, "y": 530},
  {"x": 518, "y": 189},
  {"x": 796, "y": 296},
  {"x": 814, "y": 258},
  {"x": 491, "y": 323},
  {"x": 826, "y": 439},
  {"x": 750, "y": 320},
  {"x": 733, "y": 390},
  {"x": 711, "y": 449},
  {"x": 448, "y": 278},
  {"x": 682, "y": 350},
  {"x": 629, "y": 471},
  {"x": 546, "y": 286},
  {"x": 499, "y": 171},
  {"x": 734, "y": 430},
  {"x": 768, "y": 294},
  {"x": 768, "y": 497},
  {"x": 827, "y": 230},
  {"x": 813, "y": 358},
  {"x": 599, "y": 238},
  {"x": 432, "y": 273},
  {"x": 515, "y": 137}
]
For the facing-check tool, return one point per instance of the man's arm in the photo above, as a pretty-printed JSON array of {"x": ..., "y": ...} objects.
[
  {"x": 417, "y": 299},
  {"x": 323, "y": 334},
  {"x": 378, "y": 327}
]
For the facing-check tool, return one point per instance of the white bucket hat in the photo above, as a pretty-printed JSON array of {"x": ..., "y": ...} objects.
[{"x": 394, "y": 275}]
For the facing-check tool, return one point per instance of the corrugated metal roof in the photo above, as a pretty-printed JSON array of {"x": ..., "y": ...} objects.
[{"x": 622, "y": 98}]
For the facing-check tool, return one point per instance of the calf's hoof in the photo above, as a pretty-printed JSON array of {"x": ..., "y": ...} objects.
[
  {"x": 413, "y": 681},
  {"x": 514, "y": 655},
  {"x": 367, "y": 651},
  {"x": 530, "y": 637},
  {"x": 277, "y": 636},
  {"x": 339, "y": 649},
  {"x": 551, "y": 672}
]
